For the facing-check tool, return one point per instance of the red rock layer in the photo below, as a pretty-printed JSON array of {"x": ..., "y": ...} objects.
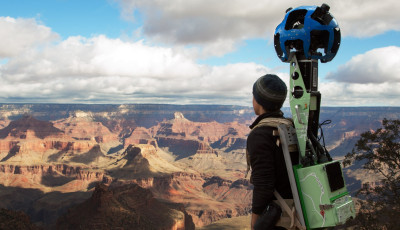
[
  {"x": 42, "y": 176},
  {"x": 140, "y": 135},
  {"x": 85, "y": 128}
]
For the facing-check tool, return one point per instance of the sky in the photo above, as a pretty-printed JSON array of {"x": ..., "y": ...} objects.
[{"x": 185, "y": 51}]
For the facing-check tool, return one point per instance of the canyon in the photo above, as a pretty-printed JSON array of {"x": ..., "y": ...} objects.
[{"x": 128, "y": 161}]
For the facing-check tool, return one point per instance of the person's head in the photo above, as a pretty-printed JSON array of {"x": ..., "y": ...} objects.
[{"x": 269, "y": 93}]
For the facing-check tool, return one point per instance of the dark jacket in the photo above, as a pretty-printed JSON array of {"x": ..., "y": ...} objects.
[{"x": 267, "y": 164}]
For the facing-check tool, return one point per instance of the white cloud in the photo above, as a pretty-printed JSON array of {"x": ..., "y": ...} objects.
[
  {"x": 19, "y": 35},
  {"x": 367, "y": 79},
  {"x": 380, "y": 65},
  {"x": 366, "y": 18},
  {"x": 214, "y": 27},
  {"x": 207, "y": 21},
  {"x": 345, "y": 94},
  {"x": 100, "y": 69},
  {"x": 78, "y": 56}
]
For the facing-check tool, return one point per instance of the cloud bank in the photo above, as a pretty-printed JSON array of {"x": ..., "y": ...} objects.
[
  {"x": 367, "y": 79},
  {"x": 37, "y": 66},
  {"x": 104, "y": 70},
  {"x": 209, "y": 22}
]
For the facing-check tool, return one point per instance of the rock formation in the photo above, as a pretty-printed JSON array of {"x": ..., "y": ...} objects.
[
  {"x": 82, "y": 126},
  {"x": 62, "y": 178},
  {"x": 29, "y": 127},
  {"x": 140, "y": 135},
  {"x": 73, "y": 154},
  {"x": 192, "y": 158}
]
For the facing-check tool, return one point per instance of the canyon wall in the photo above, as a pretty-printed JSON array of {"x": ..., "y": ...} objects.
[{"x": 190, "y": 160}]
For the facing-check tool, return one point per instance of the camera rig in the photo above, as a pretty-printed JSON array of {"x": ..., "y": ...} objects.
[{"x": 308, "y": 34}]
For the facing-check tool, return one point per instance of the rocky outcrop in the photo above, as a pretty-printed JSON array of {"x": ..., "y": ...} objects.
[
  {"x": 185, "y": 138},
  {"x": 28, "y": 127},
  {"x": 204, "y": 148},
  {"x": 230, "y": 143},
  {"x": 140, "y": 135},
  {"x": 81, "y": 126},
  {"x": 222, "y": 189},
  {"x": 43, "y": 145},
  {"x": 4, "y": 122},
  {"x": 50, "y": 177},
  {"x": 30, "y": 140},
  {"x": 183, "y": 148},
  {"x": 141, "y": 161},
  {"x": 6, "y": 146},
  {"x": 127, "y": 207},
  {"x": 66, "y": 170},
  {"x": 178, "y": 146},
  {"x": 209, "y": 132},
  {"x": 174, "y": 184}
]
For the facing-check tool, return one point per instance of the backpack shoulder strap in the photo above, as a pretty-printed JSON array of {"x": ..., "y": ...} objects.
[{"x": 274, "y": 122}]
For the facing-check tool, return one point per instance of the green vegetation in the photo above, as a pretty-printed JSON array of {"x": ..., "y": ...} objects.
[{"x": 379, "y": 153}]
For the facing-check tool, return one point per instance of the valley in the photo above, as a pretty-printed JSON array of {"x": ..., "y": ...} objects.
[{"x": 187, "y": 160}]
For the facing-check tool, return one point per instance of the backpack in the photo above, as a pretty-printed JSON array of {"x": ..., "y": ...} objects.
[{"x": 288, "y": 126}]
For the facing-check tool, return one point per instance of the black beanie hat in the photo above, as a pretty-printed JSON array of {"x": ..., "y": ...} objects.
[{"x": 270, "y": 92}]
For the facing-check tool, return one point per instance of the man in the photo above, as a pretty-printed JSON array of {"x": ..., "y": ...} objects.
[{"x": 266, "y": 158}]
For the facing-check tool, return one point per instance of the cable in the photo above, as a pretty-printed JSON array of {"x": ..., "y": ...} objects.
[
  {"x": 320, "y": 151},
  {"x": 326, "y": 122}
]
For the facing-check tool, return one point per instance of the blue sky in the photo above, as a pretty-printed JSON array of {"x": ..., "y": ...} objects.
[{"x": 184, "y": 52}]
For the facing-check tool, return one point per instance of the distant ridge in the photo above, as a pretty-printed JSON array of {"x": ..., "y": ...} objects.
[{"x": 146, "y": 114}]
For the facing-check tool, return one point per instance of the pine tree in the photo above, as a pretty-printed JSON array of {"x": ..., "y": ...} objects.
[{"x": 379, "y": 152}]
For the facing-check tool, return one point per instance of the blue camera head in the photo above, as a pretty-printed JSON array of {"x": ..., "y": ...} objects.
[{"x": 309, "y": 31}]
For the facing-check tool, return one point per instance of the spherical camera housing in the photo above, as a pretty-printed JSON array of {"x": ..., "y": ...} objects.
[{"x": 309, "y": 31}]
